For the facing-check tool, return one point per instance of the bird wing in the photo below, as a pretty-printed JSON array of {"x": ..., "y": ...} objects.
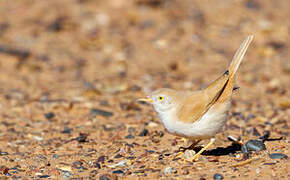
[
  {"x": 197, "y": 103},
  {"x": 219, "y": 91}
]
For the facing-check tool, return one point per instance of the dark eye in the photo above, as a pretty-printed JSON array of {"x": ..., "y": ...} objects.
[{"x": 160, "y": 98}]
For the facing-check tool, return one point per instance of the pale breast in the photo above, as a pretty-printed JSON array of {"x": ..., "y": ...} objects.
[{"x": 207, "y": 126}]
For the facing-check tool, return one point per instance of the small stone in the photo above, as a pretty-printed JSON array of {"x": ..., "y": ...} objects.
[
  {"x": 278, "y": 156},
  {"x": 104, "y": 178},
  {"x": 44, "y": 176},
  {"x": 118, "y": 156},
  {"x": 169, "y": 170},
  {"x": 130, "y": 136},
  {"x": 49, "y": 115},
  {"x": 145, "y": 132},
  {"x": 118, "y": 172},
  {"x": 253, "y": 145},
  {"x": 66, "y": 130},
  {"x": 66, "y": 174},
  {"x": 3, "y": 153},
  {"x": 65, "y": 168},
  {"x": 79, "y": 165},
  {"x": 152, "y": 124},
  {"x": 120, "y": 164},
  {"x": 252, "y": 4},
  {"x": 101, "y": 159},
  {"x": 82, "y": 138},
  {"x": 38, "y": 138},
  {"x": 97, "y": 165},
  {"x": 217, "y": 176},
  {"x": 188, "y": 154},
  {"x": 95, "y": 112}
]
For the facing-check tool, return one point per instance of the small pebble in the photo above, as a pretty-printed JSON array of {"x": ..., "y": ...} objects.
[
  {"x": 82, "y": 137},
  {"x": 49, "y": 115},
  {"x": 278, "y": 156},
  {"x": 145, "y": 132},
  {"x": 66, "y": 130},
  {"x": 118, "y": 172},
  {"x": 44, "y": 176},
  {"x": 97, "y": 165},
  {"x": 95, "y": 112},
  {"x": 217, "y": 176},
  {"x": 104, "y": 178},
  {"x": 188, "y": 154},
  {"x": 169, "y": 170},
  {"x": 253, "y": 145},
  {"x": 66, "y": 174},
  {"x": 3, "y": 153},
  {"x": 130, "y": 136}
]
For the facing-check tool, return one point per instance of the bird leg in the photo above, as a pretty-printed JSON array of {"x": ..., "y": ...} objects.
[
  {"x": 183, "y": 149},
  {"x": 192, "y": 143},
  {"x": 196, "y": 156}
]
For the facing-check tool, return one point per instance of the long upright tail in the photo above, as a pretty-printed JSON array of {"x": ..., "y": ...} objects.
[{"x": 236, "y": 61}]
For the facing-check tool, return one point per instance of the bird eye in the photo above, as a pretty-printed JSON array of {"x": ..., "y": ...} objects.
[{"x": 160, "y": 98}]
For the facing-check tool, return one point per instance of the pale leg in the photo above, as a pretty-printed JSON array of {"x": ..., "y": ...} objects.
[
  {"x": 196, "y": 156},
  {"x": 192, "y": 143}
]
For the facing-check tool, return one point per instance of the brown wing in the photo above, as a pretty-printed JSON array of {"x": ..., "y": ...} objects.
[{"x": 196, "y": 104}]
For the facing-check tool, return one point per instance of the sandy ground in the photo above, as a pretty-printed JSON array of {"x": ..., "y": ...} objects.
[{"x": 61, "y": 62}]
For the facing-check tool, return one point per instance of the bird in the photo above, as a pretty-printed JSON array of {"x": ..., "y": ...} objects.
[{"x": 199, "y": 115}]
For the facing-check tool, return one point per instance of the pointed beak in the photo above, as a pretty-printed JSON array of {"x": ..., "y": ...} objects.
[{"x": 145, "y": 100}]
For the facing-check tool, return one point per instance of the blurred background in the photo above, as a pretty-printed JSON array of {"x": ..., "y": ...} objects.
[{"x": 60, "y": 60}]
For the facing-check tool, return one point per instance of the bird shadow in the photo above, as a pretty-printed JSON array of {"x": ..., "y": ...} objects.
[{"x": 220, "y": 151}]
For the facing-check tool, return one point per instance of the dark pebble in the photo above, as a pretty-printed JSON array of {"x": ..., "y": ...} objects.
[
  {"x": 252, "y": 4},
  {"x": 95, "y": 112},
  {"x": 97, "y": 165},
  {"x": 118, "y": 156},
  {"x": 217, "y": 176},
  {"x": 56, "y": 25},
  {"x": 269, "y": 164},
  {"x": 78, "y": 165},
  {"x": 49, "y": 115},
  {"x": 82, "y": 137},
  {"x": 278, "y": 156},
  {"x": 150, "y": 151},
  {"x": 44, "y": 176},
  {"x": 253, "y": 145},
  {"x": 104, "y": 178},
  {"x": 101, "y": 159},
  {"x": 55, "y": 156},
  {"x": 66, "y": 130},
  {"x": 3, "y": 153},
  {"x": 130, "y": 136},
  {"x": 118, "y": 172},
  {"x": 145, "y": 132}
]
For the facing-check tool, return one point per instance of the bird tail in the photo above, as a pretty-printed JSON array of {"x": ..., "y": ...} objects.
[{"x": 236, "y": 61}]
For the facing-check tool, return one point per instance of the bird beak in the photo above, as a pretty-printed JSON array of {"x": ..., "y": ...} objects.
[{"x": 145, "y": 100}]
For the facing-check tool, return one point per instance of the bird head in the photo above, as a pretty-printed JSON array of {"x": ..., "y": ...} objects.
[{"x": 163, "y": 100}]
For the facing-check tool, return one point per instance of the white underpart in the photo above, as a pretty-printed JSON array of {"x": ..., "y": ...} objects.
[{"x": 207, "y": 126}]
